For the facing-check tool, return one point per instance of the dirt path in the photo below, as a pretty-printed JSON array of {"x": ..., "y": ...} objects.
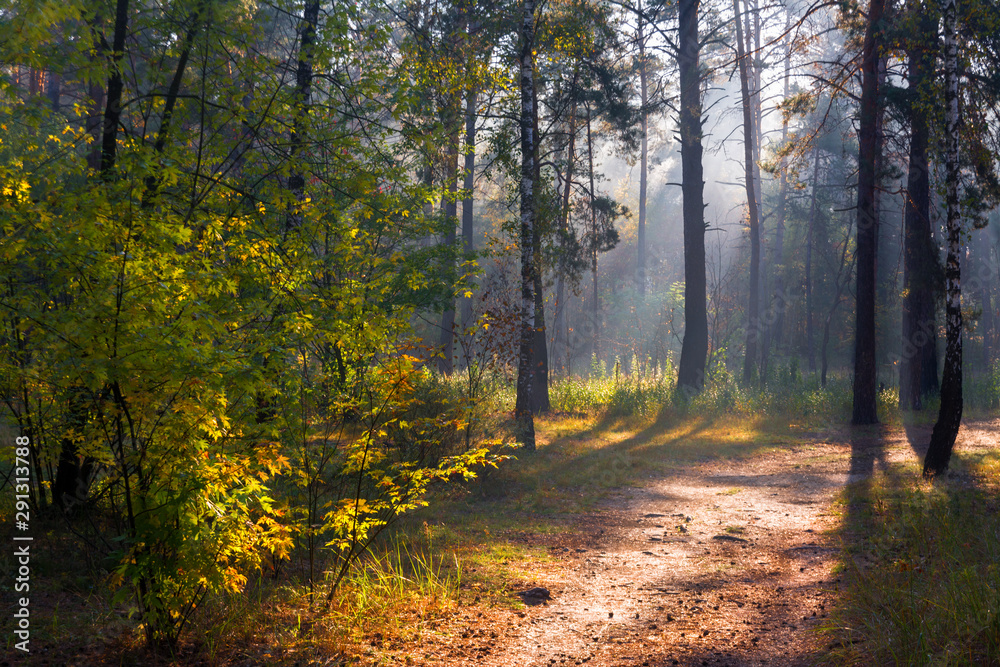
[
  {"x": 720, "y": 563},
  {"x": 715, "y": 565}
]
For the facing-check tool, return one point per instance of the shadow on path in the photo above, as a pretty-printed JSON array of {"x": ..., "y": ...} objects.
[{"x": 868, "y": 450}]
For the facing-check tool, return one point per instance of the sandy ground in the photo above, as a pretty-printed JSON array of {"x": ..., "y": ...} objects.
[{"x": 717, "y": 564}]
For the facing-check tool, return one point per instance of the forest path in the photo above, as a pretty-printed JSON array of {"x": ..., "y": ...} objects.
[{"x": 718, "y": 562}]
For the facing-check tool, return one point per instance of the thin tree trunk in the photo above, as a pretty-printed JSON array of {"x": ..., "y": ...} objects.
[
  {"x": 540, "y": 383},
  {"x": 173, "y": 92},
  {"x": 53, "y": 90},
  {"x": 749, "y": 140},
  {"x": 523, "y": 414},
  {"x": 468, "y": 230},
  {"x": 641, "y": 276},
  {"x": 446, "y": 363},
  {"x": 116, "y": 84},
  {"x": 865, "y": 368},
  {"x": 596, "y": 303},
  {"x": 810, "y": 235},
  {"x": 841, "y": 282},
  {"x": 985, "y": 300},
  {"x": 777, "y": 312},
  {"x": 561, "y": 334},
  {"x": 950, "y": 415},
  {"x": 694, "y": 348}
]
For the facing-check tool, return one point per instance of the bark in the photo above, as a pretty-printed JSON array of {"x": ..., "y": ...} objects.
[
  {"x": 753, "y": 214},
  {"x": 694, "y": 347},
  {"x": 841, "y": 283},
  {"x": 920, "y": 263},
  {"x": 523, "y": 414},
  {"x": 810, "y": 234},
  {"x": 777, "y": 313},
  {"x": 540, "y": 383},
  {"x": 74, "y": 471},
  {"x": 450, "y": 208},
  {"x": 170, "y": 102},
  {"x": 116, "y": 84},
  {"x": 540, "y": 365},
  {"x": 452, "y": 119},
  {"x": 950, "y": 414},
  {"x": 53, "y": 90},
  {"x": 561, "y": 333},
  {"x": 985, "y": 300},
  {"x": 641, "y": 276},
  {"x": 468, "y": 230},
  {"x": 303, "y": 101},
  {"x": 596, "y": 303},
  {"x": 865, "y": 369}
]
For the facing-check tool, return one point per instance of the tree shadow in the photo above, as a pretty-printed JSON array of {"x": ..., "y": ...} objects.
[
  {"x": 868, "y": 451},
  {"x": 918, "y": 429}
]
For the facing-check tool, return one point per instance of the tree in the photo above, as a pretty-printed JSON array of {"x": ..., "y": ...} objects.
[
  {"x": 865, "y": 368},
  {"x": 950, "y": 415},
  {"x": 750, "y": 132},
  {"x": 524, "y": 408},
  {"x": 147, "y": 288},
  {"x": 694, "y": 350},
  {"x": 921, "y": 271}
]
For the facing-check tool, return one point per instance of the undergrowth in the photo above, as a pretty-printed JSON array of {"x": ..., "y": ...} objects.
[{"x": 922, "y": 570}]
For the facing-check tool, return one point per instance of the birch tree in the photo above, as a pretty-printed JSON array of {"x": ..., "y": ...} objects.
[
  {"x": 523, "y": 409},
  {"x": 950, "y": 414}
]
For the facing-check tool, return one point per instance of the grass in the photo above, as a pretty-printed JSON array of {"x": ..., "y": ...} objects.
[
  {"x": 920, "y": 560},
  {"x": 922, "y": 569}
]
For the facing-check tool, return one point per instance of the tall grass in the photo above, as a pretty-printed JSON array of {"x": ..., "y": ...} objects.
[
  {"x": 923, "y": 575},
  {"x": 623, "y": 397},
  {"x": 787, "y": 393},
  {"x": 401, "y": 574}
]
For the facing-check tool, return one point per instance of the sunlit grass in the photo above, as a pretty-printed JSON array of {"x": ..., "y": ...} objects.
[
  {"x": 480, "y": 543},
  {"x": 922, "y": 569}
]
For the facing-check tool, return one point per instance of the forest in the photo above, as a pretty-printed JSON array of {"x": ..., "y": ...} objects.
[{"x": 475, "y": 332}]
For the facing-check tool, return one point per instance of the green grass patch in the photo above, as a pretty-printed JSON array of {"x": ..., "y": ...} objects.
[{"x": 921, "y": 563}]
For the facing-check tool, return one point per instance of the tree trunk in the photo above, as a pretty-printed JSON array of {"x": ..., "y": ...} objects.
[
  {"x": 640, "y": 273},
  {"x": 540, "y": 366},
  {"x": 303, "y": 99},
  {"x": 920, "y": 263},
  {"x": 950, "y": 415},
  {"x": 865, "y": 368},
  {"x": 753, "y": 214},
  {"x": 540, "y": 383},
  {"x": 810, "y": 234},
  {"x": 446, "y": 363},
  {"x": 468, "y": 230},
  {"x": 841, "y": 281},
  {"x": 113, "y": 108},
  {"x": 173, "y": 92},
  {"x": 985, "y": 300},
  {"x": 523, "y": 414},
  {"x": 561, "y": 334},
  {"x": 694, "y": 348},
  {"x": 53, "y": 89},
  {"x": 776, "y": 315},
  {"x": 596, "y": 303},
  {"x": 73, "y": 473}
]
